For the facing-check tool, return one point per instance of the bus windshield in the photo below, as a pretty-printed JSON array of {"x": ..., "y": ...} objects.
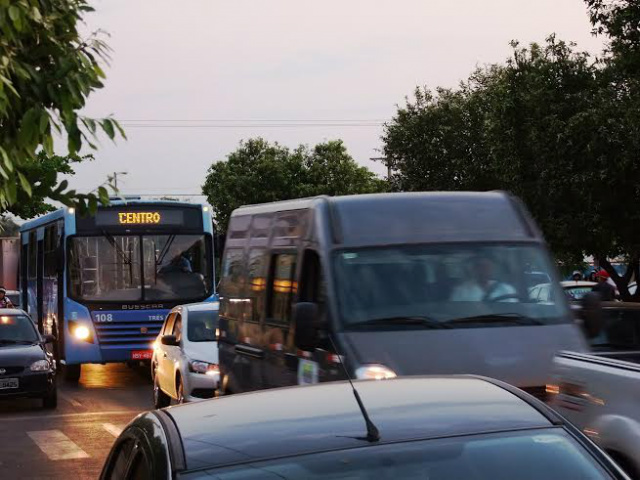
[
  {"x": 139, "y": 268},
  {"x": 447, "y": 286}
]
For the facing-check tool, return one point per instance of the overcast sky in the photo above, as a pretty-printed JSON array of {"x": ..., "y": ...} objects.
[{"x": 180, "y": 65}]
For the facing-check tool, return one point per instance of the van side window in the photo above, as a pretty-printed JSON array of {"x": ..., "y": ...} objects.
[
  {"x": 282, "y": 288},
  {"x": 258, "y": 263},
  {"x": 232, "y": 274},
  {"x": 311, "y": 287}
]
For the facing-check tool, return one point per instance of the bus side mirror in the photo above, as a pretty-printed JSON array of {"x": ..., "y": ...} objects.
[{"x": 307, "y": 325}]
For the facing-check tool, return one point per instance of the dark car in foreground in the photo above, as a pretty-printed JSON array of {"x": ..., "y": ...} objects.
[
  {"x": 27, "y": 369},
  {"x": 454, "y": 428}
]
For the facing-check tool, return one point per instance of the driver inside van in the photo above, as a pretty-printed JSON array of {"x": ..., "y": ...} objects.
[{"x": 483, "y": 286}]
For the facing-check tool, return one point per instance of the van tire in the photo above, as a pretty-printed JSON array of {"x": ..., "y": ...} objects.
[{"x": 71, "y": 373}]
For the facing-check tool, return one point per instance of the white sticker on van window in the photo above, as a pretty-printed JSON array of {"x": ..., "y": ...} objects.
[
  {"x": 307, "y": 372},
  {"x": 548, "y": 439},
  {"x": 349, "y": 256}
]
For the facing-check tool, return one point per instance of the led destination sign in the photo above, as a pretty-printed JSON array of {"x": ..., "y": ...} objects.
[{"x": 139, "y": 218}]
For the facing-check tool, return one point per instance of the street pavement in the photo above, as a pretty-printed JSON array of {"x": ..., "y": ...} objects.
[{"x": 72, "y": 442}]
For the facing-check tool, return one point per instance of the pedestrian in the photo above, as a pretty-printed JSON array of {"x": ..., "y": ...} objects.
[
  {"x": 593, "y": 276},
  {"x": 576, "y": 276},
  {"x": 606, "y": 291},
  {"x": 4, "y": 300}
]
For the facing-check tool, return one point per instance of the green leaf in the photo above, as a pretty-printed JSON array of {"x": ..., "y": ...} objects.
[
  {"x": 107, "y": 126},
  {"x": 26, "y": 186},
  {"x": 103, "y": 195},
  {"x": 15, "y": 14},
  {"x": 11, "y": 190}
]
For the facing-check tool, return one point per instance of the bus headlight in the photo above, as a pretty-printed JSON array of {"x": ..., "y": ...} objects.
[
  {"x": 374, "y": 372},
  {"x": 80, "y": 332}
]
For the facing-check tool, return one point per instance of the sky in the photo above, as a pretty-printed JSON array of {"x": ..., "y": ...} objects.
[{"x": 190, "y": 79}]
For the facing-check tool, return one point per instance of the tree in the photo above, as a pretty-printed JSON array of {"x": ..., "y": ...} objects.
[
  {"x": 47, "y": 71},
  {"x": 8, "y": 227},
  {"x": 548, "y": 126},
  {"x": 259, "y": 172}
]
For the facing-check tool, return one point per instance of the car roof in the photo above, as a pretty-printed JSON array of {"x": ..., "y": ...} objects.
[
  {"x": 12, "y": 311},
  {"x": 325, "y": 416}
]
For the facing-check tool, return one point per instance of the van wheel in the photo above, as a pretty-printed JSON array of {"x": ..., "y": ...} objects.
[
  {"x": 160, "y": 399},
  {"x": 71, "y": 373}
]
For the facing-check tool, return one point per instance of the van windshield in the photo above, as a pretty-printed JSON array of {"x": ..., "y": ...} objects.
[{"x": 446, "y": 286}]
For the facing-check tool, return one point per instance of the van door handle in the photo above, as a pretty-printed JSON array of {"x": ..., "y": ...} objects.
[{"x": 250, "y": 351}]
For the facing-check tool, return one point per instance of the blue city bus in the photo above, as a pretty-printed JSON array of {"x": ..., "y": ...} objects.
[{"x": 102, "y": 284}]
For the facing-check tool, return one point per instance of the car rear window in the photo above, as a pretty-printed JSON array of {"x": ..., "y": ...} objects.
[{"x": 551, "y": 454}]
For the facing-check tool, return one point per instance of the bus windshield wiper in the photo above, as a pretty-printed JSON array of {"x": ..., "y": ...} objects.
[
  {"x": 114, "y": 244},
  {"x": 515, "y": 318},
  {"x": 418, "y": 320}
]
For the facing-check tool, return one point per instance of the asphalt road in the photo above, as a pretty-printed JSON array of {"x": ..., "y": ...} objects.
[{"x": 72, "y": 441}]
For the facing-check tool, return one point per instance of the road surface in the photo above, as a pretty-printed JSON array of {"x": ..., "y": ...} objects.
[{"x": 72, "y": 441}]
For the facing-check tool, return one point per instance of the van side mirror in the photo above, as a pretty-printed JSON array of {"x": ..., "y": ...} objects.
[
  {"x": 169, "y": 340},
  {"x": 307, "y": 325},
  {"x": 592, "y": 314}
]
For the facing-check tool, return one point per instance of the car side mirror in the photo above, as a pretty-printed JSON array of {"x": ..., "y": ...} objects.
[
  {"x": 170, "y": 340},
  {"x": 307, "y": 325},
  {"x": 48, "y": 338}
]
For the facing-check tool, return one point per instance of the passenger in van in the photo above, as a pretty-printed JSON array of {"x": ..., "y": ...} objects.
[{"x": 483, "y": 287}]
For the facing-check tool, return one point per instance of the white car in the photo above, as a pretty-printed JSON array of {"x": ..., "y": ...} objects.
[{"x": 184, "y": 366}]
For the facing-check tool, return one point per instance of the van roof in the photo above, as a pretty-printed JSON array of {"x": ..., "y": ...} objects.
[{"x": 419, "y": 217}]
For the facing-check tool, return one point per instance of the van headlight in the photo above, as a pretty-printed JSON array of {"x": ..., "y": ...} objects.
[
  {"x": 374, "y": 372},
  {"x": 40, "y": 366}
]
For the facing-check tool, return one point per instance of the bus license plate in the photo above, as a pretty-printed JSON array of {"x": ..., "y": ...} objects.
[
  {"x": 8, "y": 383},
  {"x": 141, "y": 354}
]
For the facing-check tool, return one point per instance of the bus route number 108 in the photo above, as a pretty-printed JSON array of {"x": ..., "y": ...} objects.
[{"x": 104, "y": 317}]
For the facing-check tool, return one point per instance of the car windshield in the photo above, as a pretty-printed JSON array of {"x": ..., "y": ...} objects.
[
  {"x": 202, "y": 326},
  {"x": 547, "y": 453},
  {"x": 134, "y": 268},
  {"x": 458, "y": 285},
  {"x": 17, "y": 329}
]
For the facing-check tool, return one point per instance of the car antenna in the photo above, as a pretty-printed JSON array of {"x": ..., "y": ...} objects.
[{"x": 373, "y": 434}]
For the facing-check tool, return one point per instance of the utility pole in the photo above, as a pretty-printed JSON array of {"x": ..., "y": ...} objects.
[
  {"x": 115, "y": 178},
  {"x": 386, "y": 162}
]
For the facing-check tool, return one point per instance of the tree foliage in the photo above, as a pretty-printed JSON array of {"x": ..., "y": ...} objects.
[
  {"x": 259, "y": 172},
  {"x": 47, "y": 71},
  {"x": 551, "y": 125}
]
